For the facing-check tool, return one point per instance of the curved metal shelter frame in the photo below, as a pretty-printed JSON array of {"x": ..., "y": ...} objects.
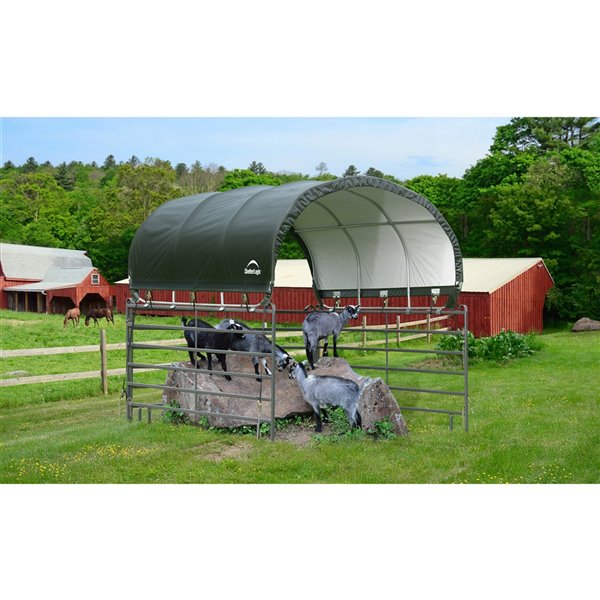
[{"x": 362, "y": 236}]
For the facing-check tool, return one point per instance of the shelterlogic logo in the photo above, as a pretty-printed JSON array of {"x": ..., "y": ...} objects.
[{"x": 252, "y": 268}]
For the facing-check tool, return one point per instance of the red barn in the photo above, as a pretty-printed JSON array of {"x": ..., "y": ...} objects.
[
  {"x": 505, "y": 293},
  {"x": 500, "y": 293},
  {"x": 50, "y": 280}
]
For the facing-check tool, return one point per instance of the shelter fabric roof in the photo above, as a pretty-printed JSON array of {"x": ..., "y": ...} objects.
[
  {"x": 33, "y": 262},
  {"x": 56, "y": 278},
  {"x": 490, "y": 274},
  {"x": 360, "y": 234}
]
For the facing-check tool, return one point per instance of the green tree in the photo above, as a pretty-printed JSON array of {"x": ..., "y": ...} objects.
[
  {"x": 109, "y": 163},
  {"x": 446, "y": 193},
  {"x": 181, "y": 171},
  {"x": 373, "y": 172},
  {"x": 132, "y": 195},
  {"x": 64, "y": 177},
  {"x": 245, "y": 177},
  {"x": 36, "y": 210},
  {"x": 351, "y": 171},
  {"x": 30, "y": 165},
  {"x": 257, "y": 168},
  {"x": 544, "y": 134}
]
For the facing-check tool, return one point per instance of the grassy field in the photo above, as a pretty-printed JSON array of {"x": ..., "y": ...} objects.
[{"x": 532, "y": 420}]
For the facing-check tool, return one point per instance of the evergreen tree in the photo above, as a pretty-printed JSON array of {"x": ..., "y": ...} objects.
[
  {"x": 351, "y": 171},
  {"x": 371, "y": 171},
  {"x": 30, "y": 165},
  {"x": 257, "y": 168},
  {"x": 64, "y": 177},
  {"x": 109, "y": 163},
  {"x": 181, "y": 170}
]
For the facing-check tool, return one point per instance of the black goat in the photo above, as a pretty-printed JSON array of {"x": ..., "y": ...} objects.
[
  {"x": 210, "y": 340},
  {"x": 259, "y": 343}
]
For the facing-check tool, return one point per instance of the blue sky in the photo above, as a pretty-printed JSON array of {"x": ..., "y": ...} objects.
[{"x": 403, "y": 147}]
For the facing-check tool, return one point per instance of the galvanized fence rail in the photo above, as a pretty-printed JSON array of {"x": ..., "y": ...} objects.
[
  {"x": 387, "y": 339},
  {"x": 195, "y": 311}
]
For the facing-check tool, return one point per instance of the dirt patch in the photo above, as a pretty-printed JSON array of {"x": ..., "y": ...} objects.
[{"x": 218, "y": 451}]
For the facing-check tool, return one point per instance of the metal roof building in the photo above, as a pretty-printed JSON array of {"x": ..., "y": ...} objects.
[
  {"x": 505, "y": 293},
  {"x": 40, "y": 279}
]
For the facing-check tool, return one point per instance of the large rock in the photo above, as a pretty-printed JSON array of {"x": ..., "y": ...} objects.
[
  {"x": 376, "y": 401},
  {"x": 586, "y": 324}
]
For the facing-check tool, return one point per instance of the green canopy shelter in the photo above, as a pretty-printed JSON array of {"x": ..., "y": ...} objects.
[{"x": 363, "y": 236}]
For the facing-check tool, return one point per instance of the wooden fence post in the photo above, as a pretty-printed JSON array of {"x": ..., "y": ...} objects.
[
  {"x": 364, "y": 333},
  {"x": 103, "y": 370}
]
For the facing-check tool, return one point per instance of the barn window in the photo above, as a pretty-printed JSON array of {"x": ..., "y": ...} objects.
[{"x": 95, "y": 279}]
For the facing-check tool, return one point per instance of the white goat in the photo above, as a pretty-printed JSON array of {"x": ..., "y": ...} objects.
[
  {"x": 328, "y": 390},
  {"x": 319, "y": 325}
]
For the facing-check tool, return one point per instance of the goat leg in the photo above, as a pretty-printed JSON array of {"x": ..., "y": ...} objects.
[
  {"x": 255, "y": 363},
  {"x": 221, "y": 358},
  {"x": 358, "y": 420},
  {"x": 319, "y": 426},
  {"x": 309, "y": 356}
]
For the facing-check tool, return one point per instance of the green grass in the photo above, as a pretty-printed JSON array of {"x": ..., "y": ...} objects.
[
  {"x": 33, "y": 330},
  {"x": 532, "y": 420}
]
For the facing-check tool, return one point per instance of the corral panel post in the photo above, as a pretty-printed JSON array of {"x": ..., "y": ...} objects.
[
  {"x": 273, "y": 367},
  {"x": 103, "y": 369},
  {"x": 466, "y": 367},
  {"x": 129, "y": 317}
]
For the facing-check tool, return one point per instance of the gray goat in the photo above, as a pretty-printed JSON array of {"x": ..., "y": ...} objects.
[
  {"x": 211, "y": 340},
  {"x": 328, "y": 390},
  {"x": 319, "y": 325},
  {"x": 257, "y": 342}
]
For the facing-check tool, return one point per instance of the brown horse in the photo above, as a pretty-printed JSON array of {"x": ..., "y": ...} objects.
[
  {"x": 99, "y": 313},
  {"x": 73, "y": 314}
]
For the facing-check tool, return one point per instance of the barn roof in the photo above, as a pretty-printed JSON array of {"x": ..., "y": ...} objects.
[
  {"x": 33, "y": 262},
  {"x": 56, "y": 278},
  {"x": 480, "y": 274},
  {"x": 489, "y": 274},
  {"x": 362, "y": 236}
]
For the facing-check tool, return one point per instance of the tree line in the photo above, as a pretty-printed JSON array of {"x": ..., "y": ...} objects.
[{"x": 535, "y": 193}]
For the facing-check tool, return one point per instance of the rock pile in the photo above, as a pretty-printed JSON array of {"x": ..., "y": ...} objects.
[{"x": 376, "y": 402}]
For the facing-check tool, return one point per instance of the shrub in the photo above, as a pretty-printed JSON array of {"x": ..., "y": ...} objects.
[
  {"x": 175, "y": 417},
  {"x": 507, "y": 345},
  {"x": 455, "y": 343},
  {"x": 503, "y": 346}
]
